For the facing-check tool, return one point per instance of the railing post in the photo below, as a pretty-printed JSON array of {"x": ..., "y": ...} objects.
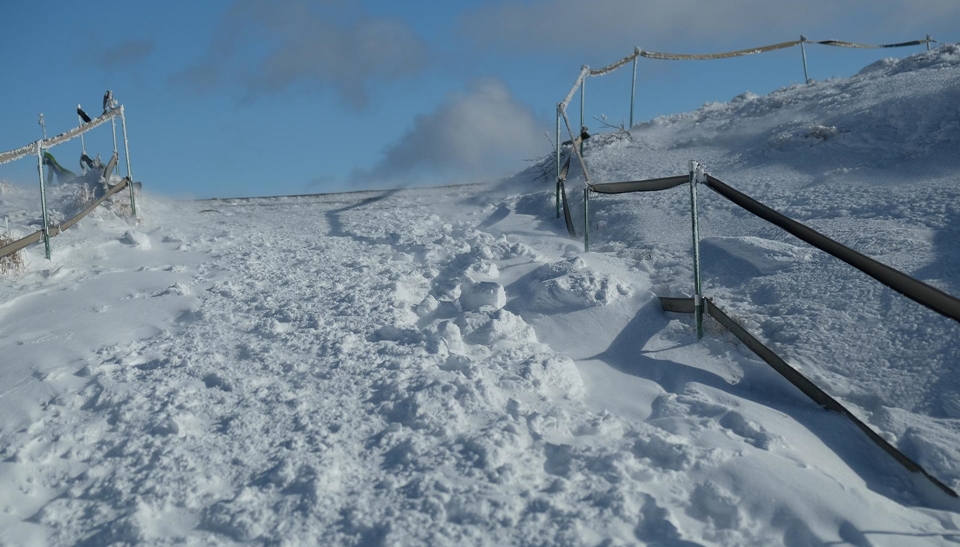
[
  {"x": 696, "y": 177},
  {"x": 559, "y": 106},
  {"x": 583, "y": 101},
  {"x": 803, "y": 53},
  {"x": 113, "y": 124},
  {"x": 126, "y": 151},
  {"x": 586, "y": 219},
  {"x": 83, "y": 145},
  {"x": 43, "y": 201},
  {"x": 633, "y": 85}
]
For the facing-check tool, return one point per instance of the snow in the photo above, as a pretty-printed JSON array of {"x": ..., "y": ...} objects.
[{"x": 446, "y": 367}]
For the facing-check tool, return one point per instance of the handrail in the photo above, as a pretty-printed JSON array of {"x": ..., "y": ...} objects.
[
  {"x": 649, "y": 185},
  {"x": 916, "y": 290},
  {"x": 801, "y": 382},
  {"x": 24, "y": 242},
  {"x": 47, "y": 144}
]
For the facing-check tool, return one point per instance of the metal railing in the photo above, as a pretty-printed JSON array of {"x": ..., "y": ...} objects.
[
  {"x": 914, "y": 289},
  {"x": 586, "y": 72},
  {"x": 39, "y": 147}
]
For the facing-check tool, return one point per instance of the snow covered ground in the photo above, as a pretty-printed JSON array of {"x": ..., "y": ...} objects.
[{"x": 445, "y": 367}]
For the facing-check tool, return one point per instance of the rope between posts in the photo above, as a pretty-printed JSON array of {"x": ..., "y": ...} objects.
[
  {"x": 47, "y": 144},
  {"x": 611, "y": 67},
  {"x": 725, "y": 55},
  {"x": 839, "y": 43},
  {"x": 584, "y": 72}
]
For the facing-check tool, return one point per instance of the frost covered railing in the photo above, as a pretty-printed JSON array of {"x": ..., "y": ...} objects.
[
  {"x": 39, "y": 147},
  {"x": 914, "y": 289},
  {"x": 587, "y": 72}
]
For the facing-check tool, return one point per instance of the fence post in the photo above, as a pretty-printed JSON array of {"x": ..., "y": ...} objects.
[
  {"x": 586, "y": 219},
  {"x": 803, "y": 53},
  {"x": 633, "y": 85},
  {"x": 583, "y": 100},
  {"x": 126, "y": 151},
  {"x": 83, "y": 145},
  {"x": 696, "y": 176},
  {"x": 43, "y": 201},
  {"x": 928, "y": 42},
  {"x": 113, "y": 123},
  {"x": 558, "y": 159}
]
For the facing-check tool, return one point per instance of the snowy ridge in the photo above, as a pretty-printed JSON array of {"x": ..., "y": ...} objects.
[{"x": 426, "y": 367}]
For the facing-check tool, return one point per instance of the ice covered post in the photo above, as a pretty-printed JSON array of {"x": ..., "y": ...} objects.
[
  {"x": 697, "y": 176},
  {"x": 43, "y": 201},
  {"x": 583, "y": 101},
  {"x": 586, "y": 218},
  {"x": 43, "y": 126},
  {"x": 929, "y": 39},
  {"x": 559, "y": 106},
  {"x": 113, "y": 123},
  {"x": 803, "y": 53},
  {"x": 633, "y": 85},
  {"x": 126, "y": 152},
  {"x": 83, "y": 145}
]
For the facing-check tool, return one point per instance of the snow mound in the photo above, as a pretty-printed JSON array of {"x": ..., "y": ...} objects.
[
  {"x": 570, "y": 284},
  {"x": 475, "y": 295},
  {"x": 136, "y": 239},
  {"x": 762, "y": 256}
]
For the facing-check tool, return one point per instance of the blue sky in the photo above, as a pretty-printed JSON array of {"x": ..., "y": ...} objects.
[{"x": 252, "y": 97}]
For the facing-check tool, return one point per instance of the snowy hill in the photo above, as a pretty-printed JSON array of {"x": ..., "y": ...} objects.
[{"x": 446, "y": 367}]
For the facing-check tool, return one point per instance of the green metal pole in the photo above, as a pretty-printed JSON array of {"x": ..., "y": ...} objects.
[
  {"x": 586, "y": 220},
  {"x": 43, "y": 202},
  {"x": 558, "y": 160},
  {"x": 633, "y": 86},
  {"x": 695, "y": 170}
]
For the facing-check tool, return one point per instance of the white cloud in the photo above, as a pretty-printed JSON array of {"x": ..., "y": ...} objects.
[
  {"x": 579, "y": 27},
  {"x": 477, "y": 135},
  {"x": 267, "y": 47}
]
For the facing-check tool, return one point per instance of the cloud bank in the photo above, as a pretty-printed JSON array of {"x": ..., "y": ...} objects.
[
  {"x": 267, "y": 47},
  {"x": 477, "y": 135}
]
